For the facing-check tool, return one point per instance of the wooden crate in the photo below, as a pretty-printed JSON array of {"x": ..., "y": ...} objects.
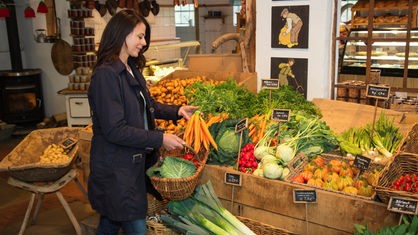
[
  {"x": 271, "y": 202},
  {"x": 215, "y": 62},
  {"x": 248, "y": 80}
]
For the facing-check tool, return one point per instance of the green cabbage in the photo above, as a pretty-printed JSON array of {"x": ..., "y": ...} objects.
[
  {"x": 229, "y": 142},
  {"x": 173, "y": 167}
]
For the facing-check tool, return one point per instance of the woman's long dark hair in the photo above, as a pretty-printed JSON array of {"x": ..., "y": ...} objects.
[{"x": 114, "y": 35}]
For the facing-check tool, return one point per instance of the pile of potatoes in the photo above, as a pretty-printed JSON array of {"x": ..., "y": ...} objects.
[
  {"x": 171, "y": 91},
  {"x": 54, "y": 154}
]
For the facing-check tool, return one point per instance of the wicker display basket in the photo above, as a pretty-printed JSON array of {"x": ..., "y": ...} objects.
[
  {"x": 182, "y": 188},
  {"x": 403, "y": 163},
  {"x": 327, "y": 158},
  {"x": 410, "y": 142},
  {"x": 260, "y": 228},
  {"x": 23, "y": 164}
]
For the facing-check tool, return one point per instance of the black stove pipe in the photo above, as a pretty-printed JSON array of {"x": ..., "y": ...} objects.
[{"x": 13, "y": 38}]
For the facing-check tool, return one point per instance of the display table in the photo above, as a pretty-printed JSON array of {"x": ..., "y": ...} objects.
[{"x": 271, "y": 202}]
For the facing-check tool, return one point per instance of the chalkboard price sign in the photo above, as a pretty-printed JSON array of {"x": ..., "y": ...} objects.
[
  {"x": 362, "y": 162},
  {"x": 378, "y": 91},
  {"x": 281, "y": 115},
  {"x": 403, "y": 205},
  {"x": 269, "y": 84},
  {"x": 304, "y": 195},
  {"x": 241, "y": 125},
  {"x": 68, "y": 143},
  {"x": 233, "y": 179}
]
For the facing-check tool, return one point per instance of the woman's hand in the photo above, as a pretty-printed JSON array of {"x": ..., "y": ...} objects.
[
  {"x": 187, "y": 111},
  {"x": 171, "y": 142}
]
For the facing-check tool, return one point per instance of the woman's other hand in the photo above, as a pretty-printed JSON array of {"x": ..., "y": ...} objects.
[
  {"x": 187, "y": 111},
  {"x": 171, "y": 142}
]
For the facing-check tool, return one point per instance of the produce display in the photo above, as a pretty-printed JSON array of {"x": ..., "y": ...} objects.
[
  {"x": 407, "y": 183},
  {"x": 172, "y": 92},
  {"x": 335, "y": 174},
  {"x": 379, "y": 144}
]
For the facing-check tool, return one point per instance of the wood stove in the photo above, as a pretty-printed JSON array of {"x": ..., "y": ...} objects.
[{"x": 21, "y": 96}]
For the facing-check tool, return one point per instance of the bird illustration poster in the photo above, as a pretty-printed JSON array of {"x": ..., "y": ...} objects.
[
  {"x": 290, "y": 27},
  {"x": 290, "y": 72}
]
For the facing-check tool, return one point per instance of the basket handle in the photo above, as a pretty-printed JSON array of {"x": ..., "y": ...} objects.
[{"x": 190, "y": 148}]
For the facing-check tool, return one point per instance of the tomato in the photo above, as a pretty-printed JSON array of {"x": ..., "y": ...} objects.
[
  {"x": 331, "y": 177},
  {"x": 319, "y": 161},
  {"x": 366, "y": 191},
  {"x": 311, "y": 166},
  {"x": 344, "y": 181},
  {"x": 321, "y": 172},
  {"x": 335, "y": 165},
  {"x": 350, "y": 190},
  {"x": 330, "y": 185},
  {"x": 360, "y": 182},
  {"x": 188, "y": 156},
  {"x": 315, "y": 181},
  {"x": 346, "y": 170},
  {"x": 307, "y": 175},
  {"x": 298, "y": 179}
]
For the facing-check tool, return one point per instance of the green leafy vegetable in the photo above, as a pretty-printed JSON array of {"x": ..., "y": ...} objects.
[
  {"x": 173, "y": 167},
  {"x": 228, "y": 142}
]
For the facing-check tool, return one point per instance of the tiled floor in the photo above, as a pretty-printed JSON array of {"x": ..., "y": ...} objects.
[{"x": 52, "y": 218}]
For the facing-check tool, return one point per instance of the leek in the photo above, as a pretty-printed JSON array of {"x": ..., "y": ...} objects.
[
  {"x": 205, "y": 194},
  {"x": 186, "y": 209},
  {"x": 183, "y": 225}
]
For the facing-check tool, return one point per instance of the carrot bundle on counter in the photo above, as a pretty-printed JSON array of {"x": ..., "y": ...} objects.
[
  {"x": 257, "y": 127},
  {"x": 197, "y": 133}
]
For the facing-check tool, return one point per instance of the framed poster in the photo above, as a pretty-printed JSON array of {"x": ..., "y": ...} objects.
[
  {"x": 290, "y": 72},
  {"x": 290, "y": 27}
]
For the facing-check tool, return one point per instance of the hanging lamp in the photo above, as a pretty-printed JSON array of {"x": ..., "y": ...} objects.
[
  {"x": 29, "y": 12},
  {"x": 4, "y": 10},
  {"x": 42, "y": 7}
]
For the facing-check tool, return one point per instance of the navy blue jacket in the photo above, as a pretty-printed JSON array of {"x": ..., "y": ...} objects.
[{"x": 121, "y": 148}]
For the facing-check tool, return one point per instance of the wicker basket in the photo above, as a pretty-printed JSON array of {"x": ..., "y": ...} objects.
[
  {"x": 22, "y": 162},
  {"x": 409, "y": 144},
  {"x": 182, "y": 188},
  {"x": 327, "y": 158},
  {"x": 156, "y": 228},
  {"x": 403, "y": 163},
  {"x": 260, "y": 228}
]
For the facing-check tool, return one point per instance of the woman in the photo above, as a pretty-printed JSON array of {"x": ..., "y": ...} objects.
[{"x": 125, "y": 141}]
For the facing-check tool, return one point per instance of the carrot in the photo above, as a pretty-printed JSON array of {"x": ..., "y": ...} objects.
[
  {"x": 197, "y": 134},
  {"x": 205, "y": 130},
  {"x": 188, "y": 132}
]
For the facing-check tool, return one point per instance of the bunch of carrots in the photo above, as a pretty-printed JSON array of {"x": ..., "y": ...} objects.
[
  {"x": 197, "y": 135},
  {"x": 216, "y": 118},
  {"x": 257, "y": 127}
]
